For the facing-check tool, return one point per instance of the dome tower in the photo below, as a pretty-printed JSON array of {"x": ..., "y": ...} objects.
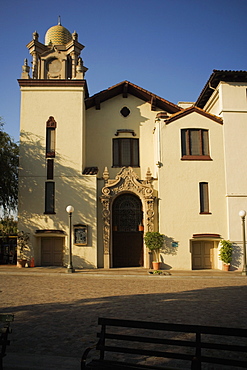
[
  {"x": 58, "y": 58},
  {"x": 57, "y": 35}
]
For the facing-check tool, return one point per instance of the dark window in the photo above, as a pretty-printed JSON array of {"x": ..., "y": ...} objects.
[
  {"x": 50, "y": 169},
  {"x": 50, "y": 197},
  {"x": 204, "y": 199},
  {"x": 195, "y": 144},
  {"x": 125, "y": 152}
]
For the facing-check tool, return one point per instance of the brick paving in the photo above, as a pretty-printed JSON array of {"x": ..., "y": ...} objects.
[{"x": 56, "y": 313}]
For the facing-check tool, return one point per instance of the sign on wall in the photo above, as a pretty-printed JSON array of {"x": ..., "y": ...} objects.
[{"x": 80, "y": 234}]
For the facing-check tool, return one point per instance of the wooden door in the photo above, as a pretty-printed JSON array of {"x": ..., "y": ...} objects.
[
  {"x": 202, "y": 255},
  {"x": 52, "y": 251},
  {"x": 127, "y": 240}
]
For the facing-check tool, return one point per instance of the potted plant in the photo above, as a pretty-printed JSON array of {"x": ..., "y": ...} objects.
[
  {"x": 23, "y": 239},
  {"x": 225, "y": 254},
  {"x": 154, "y": 242}
]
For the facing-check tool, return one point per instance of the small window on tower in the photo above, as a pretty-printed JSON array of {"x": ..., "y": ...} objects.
[
  {"x": 50, "y": 169},
  {"x": 50, "y": 137},
  {"x": 125, "y": 111},
  {"x": 50, "y": 197}
]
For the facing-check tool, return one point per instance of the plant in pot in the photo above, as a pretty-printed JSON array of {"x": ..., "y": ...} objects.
[
  {"x": 23, "y": 247},
  {"x": 225, "y": 254},
  {"x": 154, "y": 242}
]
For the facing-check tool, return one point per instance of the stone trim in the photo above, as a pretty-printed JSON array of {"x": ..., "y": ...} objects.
[{"x": 126, "y": 181}]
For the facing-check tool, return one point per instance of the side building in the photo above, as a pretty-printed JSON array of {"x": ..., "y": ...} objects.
[{"x": 129, "y": 162}]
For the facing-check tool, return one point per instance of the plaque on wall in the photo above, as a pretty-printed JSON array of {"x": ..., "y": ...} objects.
[{"x": 80, "y": 234}]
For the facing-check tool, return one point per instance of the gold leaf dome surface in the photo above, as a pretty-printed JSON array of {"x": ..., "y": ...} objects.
[{"x": 57, "y": 35}]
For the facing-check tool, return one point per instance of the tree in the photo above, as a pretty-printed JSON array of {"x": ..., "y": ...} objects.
[
  {"x": 9, "y": 160},
  {"x": 8, "y": 226}
]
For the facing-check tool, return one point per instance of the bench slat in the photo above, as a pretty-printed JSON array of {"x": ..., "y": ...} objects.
[
  {"x": 145, "y": 352},
  {"x": 135, "y": 338},
  {"x": 217, "y": 330},
  {"x": 115, "y": 365},
  {"x": 174, "y": 342}
]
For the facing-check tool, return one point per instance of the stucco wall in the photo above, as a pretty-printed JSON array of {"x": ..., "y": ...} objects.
[
  {"x": 234, "y": 113},
  {"x": 102, "y": 125},
  {"x": 71, "y": 187},
  {"x": 179, "y": 205}
]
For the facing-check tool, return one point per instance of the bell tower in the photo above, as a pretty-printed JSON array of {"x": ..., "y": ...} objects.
[{"x": 52, "y": 139}]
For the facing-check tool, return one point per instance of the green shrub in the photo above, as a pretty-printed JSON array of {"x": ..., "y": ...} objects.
[
  {"x": 226, "y": 251},
  {"x": 154, "y": 242}
]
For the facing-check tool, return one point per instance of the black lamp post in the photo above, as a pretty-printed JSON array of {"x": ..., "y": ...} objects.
[
  {"x": 242, "y": 214},
  {"x": 70, "y": 210}
]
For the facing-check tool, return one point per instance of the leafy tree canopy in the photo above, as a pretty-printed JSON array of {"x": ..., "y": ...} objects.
[
  {"x": 8, "y": 226},
  {"x": 9, "y": 159}
]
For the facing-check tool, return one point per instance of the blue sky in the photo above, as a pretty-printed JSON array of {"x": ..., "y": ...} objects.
[{"x": 168, "y": 47}]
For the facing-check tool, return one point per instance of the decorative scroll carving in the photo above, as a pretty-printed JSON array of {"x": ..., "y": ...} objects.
[{"x": 127, "y": 181}]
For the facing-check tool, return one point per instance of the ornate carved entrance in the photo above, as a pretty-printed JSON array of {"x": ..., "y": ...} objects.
[{"x": 126, "y": 182}]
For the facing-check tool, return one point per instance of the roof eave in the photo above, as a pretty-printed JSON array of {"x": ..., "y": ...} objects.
[
  {"x": 216, "y": 77},
  {"x": 126, "y": 88}
]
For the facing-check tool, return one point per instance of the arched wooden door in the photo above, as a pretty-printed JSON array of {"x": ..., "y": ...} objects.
[{"x": 127, "y": 240}]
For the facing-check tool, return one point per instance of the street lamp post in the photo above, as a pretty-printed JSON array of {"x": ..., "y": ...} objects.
[
  {"x": 70, "y": 210},
  {"x": 242, "y": 214}
]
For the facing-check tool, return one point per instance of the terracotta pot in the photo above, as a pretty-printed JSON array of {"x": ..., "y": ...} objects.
[
  {"x": 21, "y": 263},
  {"x": 226, "y": 267},
  {"x": 156, "y": 265}
]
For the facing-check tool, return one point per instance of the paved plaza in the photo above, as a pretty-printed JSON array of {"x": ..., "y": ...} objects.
[{"x": 56, "y": 313}]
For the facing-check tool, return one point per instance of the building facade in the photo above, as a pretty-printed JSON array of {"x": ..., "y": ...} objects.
[{"x": 129, "y": 162}]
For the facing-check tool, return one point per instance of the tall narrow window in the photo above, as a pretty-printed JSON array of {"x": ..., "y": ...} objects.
[
  {"x": 50, "y": 168},
  {"x": 50, "y": 197},
  {"x": 195, "y": 144},
  {"x": 204, "y": 198},
  {"x": 50, "y": 137},
  {"x": 126, "y": 152}
]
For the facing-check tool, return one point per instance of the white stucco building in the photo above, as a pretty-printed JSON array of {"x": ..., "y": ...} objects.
[{"x": 129, "y": 162}]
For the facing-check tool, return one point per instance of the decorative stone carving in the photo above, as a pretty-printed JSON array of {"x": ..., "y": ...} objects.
[
  {"x": 126, "y": 181},
  {"x": 25, "y": 70}
]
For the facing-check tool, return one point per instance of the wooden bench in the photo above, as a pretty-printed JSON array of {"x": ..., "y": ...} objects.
[
  {"x": 189, "y": 345},
  {"x": 5, "y": 320}
]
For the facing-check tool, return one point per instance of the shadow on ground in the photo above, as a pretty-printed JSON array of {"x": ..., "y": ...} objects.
[{"x": 67, "y": 327}]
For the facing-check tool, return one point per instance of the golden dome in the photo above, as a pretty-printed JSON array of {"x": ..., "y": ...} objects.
[{"x": 57, "y": 35}]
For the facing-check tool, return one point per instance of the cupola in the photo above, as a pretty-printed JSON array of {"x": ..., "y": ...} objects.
[
  {"x": 57, "y": 35},
  {"x": 57, "y": 59}
]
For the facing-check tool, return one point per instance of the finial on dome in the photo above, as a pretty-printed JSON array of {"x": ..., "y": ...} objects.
[
  {"x": 59, "y": 20},
  {"x": 35, "y": 35},
  {"x": 75, "y": 35}
]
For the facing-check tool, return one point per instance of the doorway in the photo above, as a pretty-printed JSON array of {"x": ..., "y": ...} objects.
[
  {"x": 52, "y": 251},
  {"x": 127, "y": 240},
  {"x": 202, "y": 255}
]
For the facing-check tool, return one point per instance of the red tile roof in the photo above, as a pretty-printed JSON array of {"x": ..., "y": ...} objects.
[
  {"x": 193, "y": 109},
  {"x": 126, "y": 88}
]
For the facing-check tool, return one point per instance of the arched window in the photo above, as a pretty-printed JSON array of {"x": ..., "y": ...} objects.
[
  {"x": 50, "y": 137},
  {"x": 127, "y": 213}
]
